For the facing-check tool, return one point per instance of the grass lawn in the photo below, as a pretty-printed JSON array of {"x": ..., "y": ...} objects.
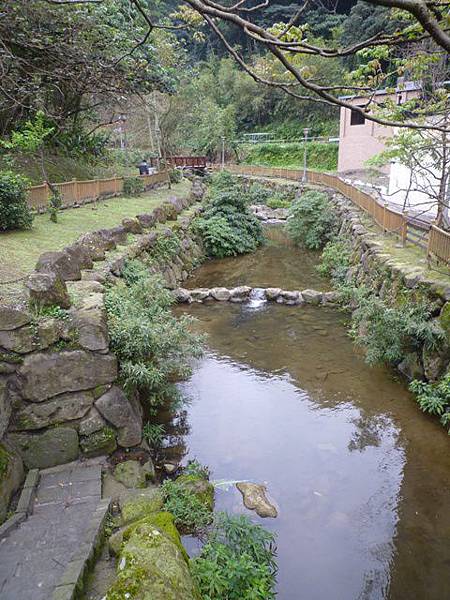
[{"x": 19, "y": 250}]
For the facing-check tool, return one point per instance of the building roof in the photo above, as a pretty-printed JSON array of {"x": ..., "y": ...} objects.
[{"x": 402, "y": 86}]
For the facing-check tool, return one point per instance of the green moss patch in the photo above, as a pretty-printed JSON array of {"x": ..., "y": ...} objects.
[
  {"x": 4, "y": 462},
  {"x": 141, "y": 505}
]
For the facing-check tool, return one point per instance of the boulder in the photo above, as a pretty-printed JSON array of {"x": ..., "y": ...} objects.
[
  {"x": 132, "y": 474},
  {"x": 220, "y": 293},
  {"x": 153, "y": 565},
  {"x": 199, "y": 294},
  {"x": 146, "y": 220},
  {"x": 159, "y": 214},
  {"x": 115, "y": 407},
  {"x": 13, "y": 317},
  {"x": 331, "y": 298},
  {"x": 240, "y": 293},
  {"x": 176, "y": 203},
  {"x": 254, "y": 496},
  {"x": 64, "y": 264},
  {"x": 132, "y": 225},
  {"x": 30, "y": 338},
  {"x": 99, "y": 443},
  {"x": 435, "y": 363},
  {"x": 200, "y": 487},
  {"x": 291, "y": 298},
  {"x": 11, "y": 477},
  {"x": 93, "y": 275},
  {"x": 312, "y": 296},
  {"x": 182, "y": 296},
  {"x": 80, "y": 255},
  {"x": 42, "y": 376},
  {"x": 63, "y": 408},
  {"x": 47, "y": 289},
  {"x": 91, "y": 423},
  {"x": 146, "y": 242},
  {"x": 92, "y": 329},
  {"x": 272, "y": 293},
  {"x": 55, "y": 446},
  {"x": 118, "y": 235}
]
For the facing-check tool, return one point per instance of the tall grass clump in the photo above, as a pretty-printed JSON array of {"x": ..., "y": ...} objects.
[{"x": 153, "y": 346}]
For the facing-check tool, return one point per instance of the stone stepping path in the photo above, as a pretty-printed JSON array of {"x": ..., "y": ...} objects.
[{"x": 45, "y": 556}]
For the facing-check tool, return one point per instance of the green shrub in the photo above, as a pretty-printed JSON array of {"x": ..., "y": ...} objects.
[
  {"x": 434, "y": 398},
  {"x": 320, "y": 156},
  {"x": 237, "y": 562},
  {"x": 278, "y": 202},
  {"x": 312, "y": 220},
  {"x": 258, "y": 193},
  {"x": 133, "y": 186},
  {"x": 14, "y": 210},
  {"x": 190, "y": 512},
  {"x": 227, "y": 226},
  {"x": 391, "y": 329},
  {"x": 175, "y": 175},
  {"x": 335, "y": 259},
  {"x": 152, "y": 345},
  {"x": 153, "y": 433}
]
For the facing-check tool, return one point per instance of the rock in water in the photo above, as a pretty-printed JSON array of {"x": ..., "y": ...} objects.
[{"x": 255, "y": 498}]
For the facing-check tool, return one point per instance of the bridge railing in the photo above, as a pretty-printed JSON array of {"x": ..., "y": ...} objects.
[
  {"x": 81, "y": 192},
  {"x": 434, "y": 240}
]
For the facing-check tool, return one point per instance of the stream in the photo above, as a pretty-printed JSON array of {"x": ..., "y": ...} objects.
[{"x": 360, "y": 477}]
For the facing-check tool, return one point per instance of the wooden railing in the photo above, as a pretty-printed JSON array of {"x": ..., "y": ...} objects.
[
  {"x": 434, "y": 240},
  {"x": 80, "y": 192}
]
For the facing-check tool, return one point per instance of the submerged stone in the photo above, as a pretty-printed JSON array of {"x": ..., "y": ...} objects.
[{"x": 255, "y": 498}]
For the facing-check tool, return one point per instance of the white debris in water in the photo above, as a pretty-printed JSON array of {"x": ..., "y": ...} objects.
[{"x": 122, "y": 563}]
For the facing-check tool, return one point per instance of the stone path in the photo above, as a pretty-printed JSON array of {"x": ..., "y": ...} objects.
[{"x": 45, "y": 556}]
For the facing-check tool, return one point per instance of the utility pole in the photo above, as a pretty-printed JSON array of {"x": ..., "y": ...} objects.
[{"x": 305, "y": 140}]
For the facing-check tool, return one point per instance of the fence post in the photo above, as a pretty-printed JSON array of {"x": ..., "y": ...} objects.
[
  {"x": 97, "y": 189},
  {"x": 76, "y": 190},
  {"x": 430, "y": 236},
  {"x": 385, "y": 206},
  {"x": 404, "y": 227}
]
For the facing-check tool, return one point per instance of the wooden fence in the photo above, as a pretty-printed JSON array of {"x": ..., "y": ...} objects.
[
  {"x": 408, "y": 228},
  {"x": 75, "y": 192}
]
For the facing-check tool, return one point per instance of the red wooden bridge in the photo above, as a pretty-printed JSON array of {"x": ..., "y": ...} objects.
[{"x": 183, "y": 162}]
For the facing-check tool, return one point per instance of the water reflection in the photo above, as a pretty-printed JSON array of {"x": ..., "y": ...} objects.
[{"x": 360, "y": 476}]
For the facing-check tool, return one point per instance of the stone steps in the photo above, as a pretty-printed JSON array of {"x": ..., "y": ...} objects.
[{"x": 45, "y": 556}]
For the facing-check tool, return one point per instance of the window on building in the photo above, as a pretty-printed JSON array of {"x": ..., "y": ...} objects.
[{"x": 356, "y": 118}]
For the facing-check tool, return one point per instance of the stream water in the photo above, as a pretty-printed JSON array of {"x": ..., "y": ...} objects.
[{"x": 360, "y": 477}]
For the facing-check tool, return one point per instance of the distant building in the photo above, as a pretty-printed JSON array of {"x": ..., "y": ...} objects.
[{"x": 361, "y": 139}]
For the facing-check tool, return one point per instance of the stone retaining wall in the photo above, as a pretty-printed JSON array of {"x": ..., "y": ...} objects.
[{"x": 59, "y": 398}]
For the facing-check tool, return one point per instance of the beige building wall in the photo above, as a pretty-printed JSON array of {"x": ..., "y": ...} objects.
[{"x": 359, "y": 142}]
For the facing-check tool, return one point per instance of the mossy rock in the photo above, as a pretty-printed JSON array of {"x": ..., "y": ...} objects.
[
  {"x": 141, "y": 505},
  {"x": 131, "y": 474},
  {"x": 152, "y": 566},
  {"x": 200, "y": 487},
  {"x": 99, "y": 443},
  {"x": 4, "y": 462},
  {"x": 162, "y": 520}
]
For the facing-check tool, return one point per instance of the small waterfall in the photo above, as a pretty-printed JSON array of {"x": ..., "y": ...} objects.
[{"x": 257, "y": 298}]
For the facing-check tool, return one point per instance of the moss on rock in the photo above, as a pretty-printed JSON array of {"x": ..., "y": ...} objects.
[
  {"x": 141, "y": 505},
  {"x": 152, "y": 566},
  {"x": 4, "y": 462},
  {"x": 98, "y": 443}
]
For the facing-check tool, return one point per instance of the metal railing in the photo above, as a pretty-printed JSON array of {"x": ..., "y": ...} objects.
[
  {"x": 74, "y": 193},
  {"x": 434, "y": 240}
]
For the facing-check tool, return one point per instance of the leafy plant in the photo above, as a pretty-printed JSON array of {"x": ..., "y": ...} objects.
[
  {"x": 227, "y": 226},
  {"x": 312, "y": 221},
  {"x": 434, "y": 398},
  {"x": 175, "y": 175},
  {"x": 197, "y": 469},
  {"x": 237, "y": 562},
  {"x": 278, "y": 202},
  {"x": 335, "y": 259},
  {"x": 153, "y": 433},
  {"x": 14, "y": 210},
  {"x": 133, "y": 186},
  {"x": 152, "y": 345},
  {"x": 391, "y": 329},
  {"x": 190, "y": 514}
]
